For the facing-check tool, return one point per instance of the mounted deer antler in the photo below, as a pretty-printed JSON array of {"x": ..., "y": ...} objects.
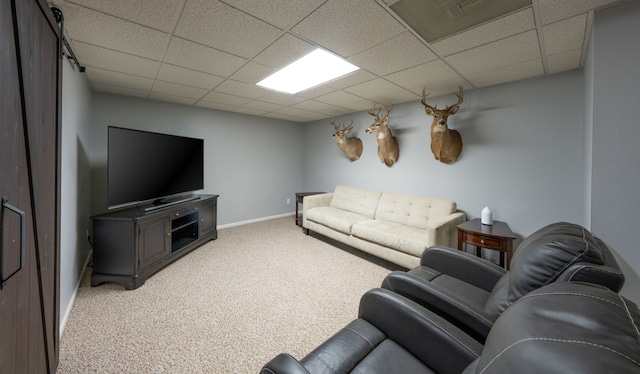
[
  {"x": 388, "y": 150},
  {"x": 446, "y": 144},
  {"x": 352, "y": 147}
]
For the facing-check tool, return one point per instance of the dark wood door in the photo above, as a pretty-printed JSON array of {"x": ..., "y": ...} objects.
[
  {"x": 29, "y": 185},
  {"x": 154, "y": 240}
]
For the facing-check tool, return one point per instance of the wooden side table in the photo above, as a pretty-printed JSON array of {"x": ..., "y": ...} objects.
[
  {"x": 498, "y": 237},
  {"x": 299, "y": 198}
]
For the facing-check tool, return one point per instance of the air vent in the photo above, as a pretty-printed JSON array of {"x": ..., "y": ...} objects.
[{"x": 436, "y": 19}]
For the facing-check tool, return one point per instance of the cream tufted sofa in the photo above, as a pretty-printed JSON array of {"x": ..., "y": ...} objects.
[{"x": 395, "y": 227}]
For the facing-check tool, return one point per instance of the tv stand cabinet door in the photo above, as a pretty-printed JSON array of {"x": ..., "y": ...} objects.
[
  {"x": 208, "y": 218},
  {"x": 154, "y": 240}
]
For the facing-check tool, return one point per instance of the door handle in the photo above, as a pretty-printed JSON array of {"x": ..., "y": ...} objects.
[{"x": 6, "y": 205}]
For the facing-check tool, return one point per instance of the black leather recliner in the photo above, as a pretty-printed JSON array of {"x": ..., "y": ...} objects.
[
  {"x": 563, "y": 328},
  {"x": 472, "y": 292}
]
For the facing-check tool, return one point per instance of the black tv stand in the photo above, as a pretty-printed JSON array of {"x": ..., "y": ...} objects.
[{"x": 130, "y": 245}]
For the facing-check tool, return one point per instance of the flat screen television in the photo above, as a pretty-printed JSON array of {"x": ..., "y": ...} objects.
[{"x": 145, "y": 166}]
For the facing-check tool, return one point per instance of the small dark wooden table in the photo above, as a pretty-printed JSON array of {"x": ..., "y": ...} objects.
[
  {"x": 498, "y": 237},
  {"x": 299, "y": 197}
]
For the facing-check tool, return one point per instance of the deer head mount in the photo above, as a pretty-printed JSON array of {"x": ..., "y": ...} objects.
[
  {"x": 388, "y": 150},
  {"x": 446, "y": 144},
  {"x": 352, "y": 147}
]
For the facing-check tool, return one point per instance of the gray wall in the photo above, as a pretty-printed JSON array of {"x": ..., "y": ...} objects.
[
  {"x": 616, "y": 131},
  {"x": 75, "y": 185},
  {"x": 522, "y": 154},
  {"x": 253, "y": 163}
]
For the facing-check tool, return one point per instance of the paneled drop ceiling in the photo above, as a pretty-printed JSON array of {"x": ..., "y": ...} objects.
[{"x": 210, "y": 53}]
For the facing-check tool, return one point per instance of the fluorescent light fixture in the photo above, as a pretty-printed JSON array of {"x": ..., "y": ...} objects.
[{"x": 309, "y": 71}]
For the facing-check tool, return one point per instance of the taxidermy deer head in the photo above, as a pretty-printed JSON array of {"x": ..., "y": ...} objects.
[
  {"x": 387, "y": 144},
  {"x": 352, "y": 147},
  {"x": 446, "y": 144}
]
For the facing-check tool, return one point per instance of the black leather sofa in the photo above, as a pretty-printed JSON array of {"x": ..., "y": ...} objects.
[
  {"x": 471, "y": 292},
  {"x": 563, "y": 328}
]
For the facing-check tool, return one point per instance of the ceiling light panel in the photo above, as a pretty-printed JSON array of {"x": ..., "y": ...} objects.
[
  {"x": 309, "y": 71},
  {"x": 437, "y": 19}
]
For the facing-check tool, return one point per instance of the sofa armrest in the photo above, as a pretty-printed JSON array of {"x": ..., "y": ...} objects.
[
  {"x": 464, "y": 266},
  {"x": 443, "y": 231},
  {"x": 314, "y": 201},
  {"x": 285, "y": 364},
  {"x": 436, "y": 342}
]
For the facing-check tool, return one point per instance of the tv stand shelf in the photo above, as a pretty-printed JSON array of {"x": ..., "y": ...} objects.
[{"x": 132, "y": 244}]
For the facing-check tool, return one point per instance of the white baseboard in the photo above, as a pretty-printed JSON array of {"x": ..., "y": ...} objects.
[
  {"x": 67, "y": 313},
  {"x": 255, "y": 220}
]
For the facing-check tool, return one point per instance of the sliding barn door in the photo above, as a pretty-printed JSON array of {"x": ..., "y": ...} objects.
[{"x": 30, "y": 78}]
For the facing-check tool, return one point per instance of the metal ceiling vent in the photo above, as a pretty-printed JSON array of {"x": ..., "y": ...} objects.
[{"x": 436, "y": 19}]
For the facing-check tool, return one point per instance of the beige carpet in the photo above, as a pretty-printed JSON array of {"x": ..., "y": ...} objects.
[{"x": 227, "y": 307}]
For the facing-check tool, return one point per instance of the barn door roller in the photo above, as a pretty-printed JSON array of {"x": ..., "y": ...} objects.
[{"x": 11, "y": 208}]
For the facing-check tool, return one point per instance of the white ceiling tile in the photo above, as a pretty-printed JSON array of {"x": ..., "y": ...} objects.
[
  {"x": 565, "y": 35},
  {"x": 103, "y": 30},
  {"x": 503, "y": 27},
  {"x": 158, "y": 14},
  {"x": 129, "y": 46},
  {"x": 423, "y": 75},
  {"x": 119, "y": 79},
  {"x": 261, "y": 106},
  {"x": 217, "y": 25},
  {"x": 281, "y": 98},
  {"x": 175, "y": 89},
  {"x": 252, "y": 73},
  {"x": 223, "y": 98},
  {"x": 361, "y": 105},
  {"x": 398, "y": 53},
  {"x": 314, "y": 106},
  {"x": 201, "y": 58},
  {"x": 236, "y": 88},
  {"x": 349, "y": 27},
  {"x": 509, "y": 51},
  {"x": 283, "y": 116},
  {"x": 172, "y": 98},
  {"x": 338, "y": 98},
  {"x": 527, "y": 69},
  {"x": 188, "y": 77},
  {"x": 285, "y": 50},
  {"x": 292, "y": 112},
  {"x": 555, "y": 10},
  {"x": 357, "y": 77},
  {"x": 94, "y": 56},
  {"x": 397, "y": 97},
  {"x": 374, "y": 88},
  {"x": 271, "y": 11},
  {"x": 564, "y": 61}
]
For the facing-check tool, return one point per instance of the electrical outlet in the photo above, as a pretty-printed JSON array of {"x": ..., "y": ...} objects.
[{"x": 288, "y": 201}]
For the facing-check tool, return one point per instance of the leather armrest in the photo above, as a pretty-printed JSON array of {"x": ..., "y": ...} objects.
[
  {"x": 283, "y": 363},
  {"x": 436, "y": 342},
  {"x": 464, "y": 266},
  {"x": 470, "y": 319}
]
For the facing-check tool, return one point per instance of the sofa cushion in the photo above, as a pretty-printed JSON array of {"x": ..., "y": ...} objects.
[
  {"x": 545, "y": 254},
  {"x": 403, "y": 238},
  {"x": 410, "y": 210},
  {"x": 356, "y": 200},
  {"x": 334, "y": 218}
]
